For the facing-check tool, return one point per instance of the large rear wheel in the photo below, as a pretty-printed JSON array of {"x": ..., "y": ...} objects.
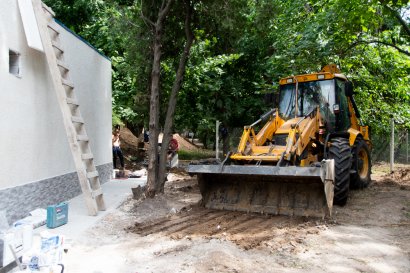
[
  {"x": 340, "y": 151},
  {"x": 361, "y": 165}
]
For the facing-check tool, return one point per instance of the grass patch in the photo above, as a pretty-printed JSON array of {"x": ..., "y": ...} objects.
[{"x": 195, "y": 154}]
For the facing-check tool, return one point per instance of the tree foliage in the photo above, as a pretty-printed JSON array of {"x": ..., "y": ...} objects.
[{"x": 242, "y": 48}]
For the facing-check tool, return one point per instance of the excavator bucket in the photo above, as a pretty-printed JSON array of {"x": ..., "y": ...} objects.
[{"x": 300, "y": 191}]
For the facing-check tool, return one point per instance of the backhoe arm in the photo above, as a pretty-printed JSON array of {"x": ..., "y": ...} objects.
[
  {"x": 268, "y": 130},
  {"x": 300, "y": 136},
  {"x": 266, "y": 133}
]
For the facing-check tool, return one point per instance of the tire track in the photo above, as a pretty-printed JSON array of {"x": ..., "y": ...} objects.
[
  {"x": 206, "y": 224},
  {"x": 164, "y": 221},
  {"x": 250, "y": 222},
  {"x": 180, "y": 223},
  {"x": 248, "y": 230}
]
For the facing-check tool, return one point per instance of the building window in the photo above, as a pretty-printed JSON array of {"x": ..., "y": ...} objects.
[{"x": 14, "y": 63}]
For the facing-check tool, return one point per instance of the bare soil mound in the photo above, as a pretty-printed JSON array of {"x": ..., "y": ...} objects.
[
  {"x": 134, "y": 152},
  {"x": 128, "y": 139},
  {"x": 129, "y": 147},
  {"x": 399, "y": 177},
  {"x": 184, "y": 144}
]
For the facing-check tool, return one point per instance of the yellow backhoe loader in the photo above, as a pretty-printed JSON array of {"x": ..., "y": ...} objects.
[{"x": 311, "y": 150}]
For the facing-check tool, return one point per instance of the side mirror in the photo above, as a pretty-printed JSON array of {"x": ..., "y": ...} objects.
[
  {"x": 349, "y": 89},
  {"x": 336, "y": 108}
]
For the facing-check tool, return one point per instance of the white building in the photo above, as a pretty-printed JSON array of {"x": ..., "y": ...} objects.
[{"x": 37, "y": 167}]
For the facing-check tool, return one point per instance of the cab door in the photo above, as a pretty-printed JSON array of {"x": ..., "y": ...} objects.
[{"x": 342, "y": 113}]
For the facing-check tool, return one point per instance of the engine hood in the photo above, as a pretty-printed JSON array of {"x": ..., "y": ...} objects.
[{"x": 285, "y": 128}]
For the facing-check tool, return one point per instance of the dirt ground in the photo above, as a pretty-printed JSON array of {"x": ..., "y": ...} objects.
[{"x": 171, "y": 233}]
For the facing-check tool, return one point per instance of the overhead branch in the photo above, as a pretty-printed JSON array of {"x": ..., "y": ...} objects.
[
  {"x": 379, "y": 42},
  {"x": 165, "y": 7},
  {"x": 396, "y": 14},
  {"x": 146, "y": 19}
]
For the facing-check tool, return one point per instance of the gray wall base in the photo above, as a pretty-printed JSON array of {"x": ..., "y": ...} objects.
[{"x": 20, "y": 200}]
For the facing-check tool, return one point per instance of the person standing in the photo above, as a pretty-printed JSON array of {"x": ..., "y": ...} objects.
[
  {"x": 116, "y": 150},
  {"x": 225, "y": 140}
]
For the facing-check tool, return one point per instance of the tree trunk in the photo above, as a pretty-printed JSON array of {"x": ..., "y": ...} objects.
[
  {"x": 152, "y": 180},
  {"x": 169, "y": 121},
  {"x": 154, "y": 117}
]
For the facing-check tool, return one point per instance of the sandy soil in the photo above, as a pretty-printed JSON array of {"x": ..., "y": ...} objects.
[{"x": 171, "y": 233}]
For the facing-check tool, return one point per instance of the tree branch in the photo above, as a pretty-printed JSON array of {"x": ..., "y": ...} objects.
[
  {"x": 379, "y": 42},
  {"x": 188, "y": 30},
  {"x": 165, "y": 7},
  {"x": 390, "y": 45},
  {"x": 396, "y": 14},
  {"x": 146, "y": 19}
]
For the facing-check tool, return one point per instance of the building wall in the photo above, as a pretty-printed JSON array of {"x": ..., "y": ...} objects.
[{"x": 37, "y": 165}]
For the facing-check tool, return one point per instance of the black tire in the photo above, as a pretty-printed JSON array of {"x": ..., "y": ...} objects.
[
  {"x": 341, "y": 153},
  {"x": 361, "y": 165}
]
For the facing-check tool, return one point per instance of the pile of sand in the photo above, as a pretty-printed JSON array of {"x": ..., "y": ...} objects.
[
  {"x": 130, "y": 142},
  {"x": 185, "y": 144}
]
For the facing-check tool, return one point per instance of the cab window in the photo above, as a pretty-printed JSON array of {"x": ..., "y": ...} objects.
[{"x": 343, "y": 117}]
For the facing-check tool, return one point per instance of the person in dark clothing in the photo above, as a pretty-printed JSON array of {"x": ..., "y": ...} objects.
[
  {"x": 116, "y": 150},
  {"x": 146, "y": 136},
  {"x": 223, "y": 131}
]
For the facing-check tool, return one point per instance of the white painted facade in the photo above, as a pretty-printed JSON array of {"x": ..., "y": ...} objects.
[{"x": 33, "y": 141}]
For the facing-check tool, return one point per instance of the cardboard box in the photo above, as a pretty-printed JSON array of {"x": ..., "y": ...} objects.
[{"x": 57, "y": 215}]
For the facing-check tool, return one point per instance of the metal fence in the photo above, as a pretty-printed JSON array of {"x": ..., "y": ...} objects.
[{"x": 391, "y": 147}]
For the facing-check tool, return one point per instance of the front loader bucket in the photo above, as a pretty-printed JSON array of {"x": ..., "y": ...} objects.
[{"x": 301, "y": 191}]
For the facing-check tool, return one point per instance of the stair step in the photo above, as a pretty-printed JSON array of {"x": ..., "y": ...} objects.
[
  {"x": 57, "y": 46},
  {"x": 97, "y": 192},
  {"x": 62, "y": 65},
  {"x": 53, "y": 26},
  {"x": 48, "y": 9},
  {"x": 67, "y": 83},
  {"x": 72, "y": 101},
  {"x": 77, "y": 119},
  {"x": 87, "y": 156},
  {"x": 82, "y": 138},
  {"x": 92, "y": 174}
]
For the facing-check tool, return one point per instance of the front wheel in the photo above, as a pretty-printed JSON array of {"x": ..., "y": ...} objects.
[
  {"x": 361, "y": 165},
  {"x": 340, "y": 152}
]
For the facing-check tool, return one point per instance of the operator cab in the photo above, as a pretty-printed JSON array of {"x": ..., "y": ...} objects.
[{"x": 299, "y": 95}]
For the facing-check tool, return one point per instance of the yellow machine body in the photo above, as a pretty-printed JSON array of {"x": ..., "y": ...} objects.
[{"x": 288, "y": 165}]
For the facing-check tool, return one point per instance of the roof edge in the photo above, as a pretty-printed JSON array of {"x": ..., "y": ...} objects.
[{"x": 81, "y": 39}]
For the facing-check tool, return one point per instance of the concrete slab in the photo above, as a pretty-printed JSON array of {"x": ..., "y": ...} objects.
[{"x": 115, "y": 192}]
